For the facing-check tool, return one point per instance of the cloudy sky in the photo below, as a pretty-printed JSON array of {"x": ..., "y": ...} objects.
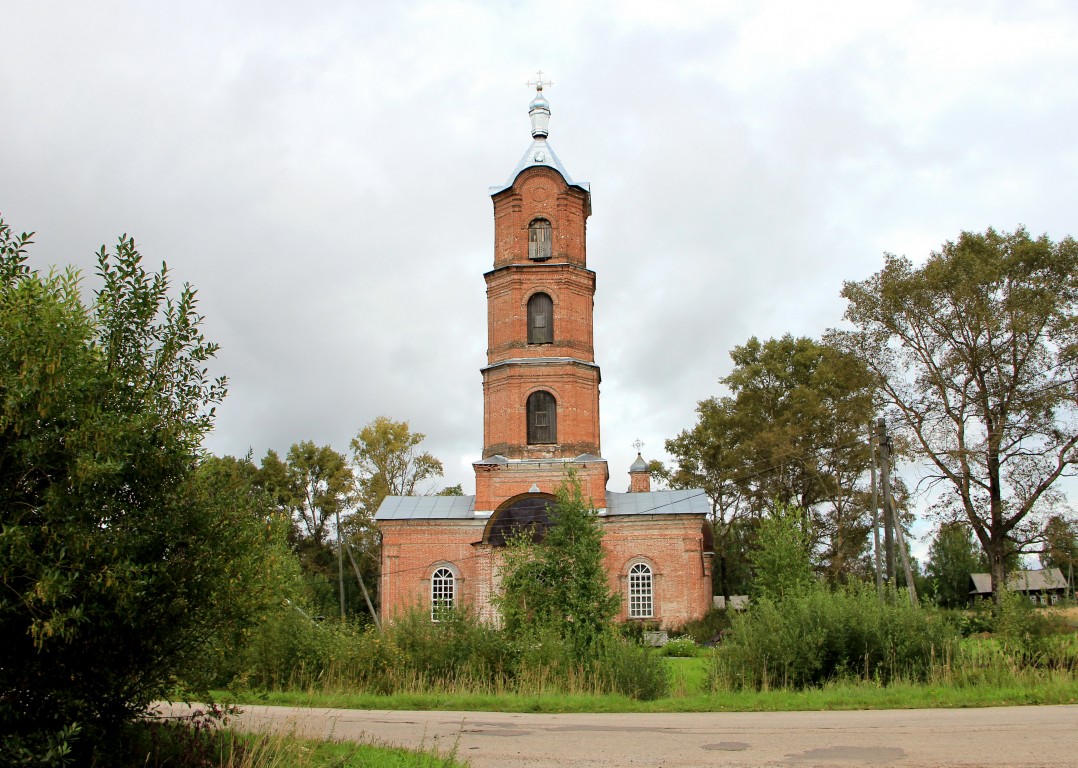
[{"x": 319, "y": 172}]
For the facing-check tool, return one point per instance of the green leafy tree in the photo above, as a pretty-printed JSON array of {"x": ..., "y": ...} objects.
[
  {"x": 1061, "y": 547},
  {"x": 952, "y": 557},
  {"x": 314, "y": 485},
  {"x": 781, "y": 563},
  {"x": 793, "y": 432},
  {"x": 389, "y": 462},
  {"x": 559, "y": 584},
  {"x": 315, "y": 489},
  {"x": 974, "y": 352},
  {"x": 120, "y": 564}
]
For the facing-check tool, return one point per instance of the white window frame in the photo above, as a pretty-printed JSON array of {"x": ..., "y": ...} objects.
[
  {"x": 641, "y": 592},
  {"x": 443, "y": 591}
]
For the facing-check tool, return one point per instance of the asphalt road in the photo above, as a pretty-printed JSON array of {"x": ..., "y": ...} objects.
[{"x": 999, "y": 736}]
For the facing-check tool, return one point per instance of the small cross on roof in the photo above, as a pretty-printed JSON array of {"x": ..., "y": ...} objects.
[{"x": 539, "y": 81}]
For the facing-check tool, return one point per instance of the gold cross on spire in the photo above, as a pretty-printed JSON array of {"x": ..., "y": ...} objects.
[{"x": 539, "y": 82}]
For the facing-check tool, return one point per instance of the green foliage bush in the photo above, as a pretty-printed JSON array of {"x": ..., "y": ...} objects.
[
  {"x": 682, "y": 647},
  {"x": 781, "y": 562},
  {"x": 820, "y": 635},
  {"x": 631, "y": 670},
  {"x": 560, "y": 583},
  {"x": 708, "y": 627},
  {"x": 1012, "y": 634},
  {"x": 457, "y": 653},
  {"x": 122, "y": 562}
]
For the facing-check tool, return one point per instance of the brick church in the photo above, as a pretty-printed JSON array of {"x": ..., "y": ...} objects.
[{"x": 541, "y": 420}]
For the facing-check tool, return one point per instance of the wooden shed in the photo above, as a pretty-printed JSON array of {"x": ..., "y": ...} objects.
[{"x": 1044, "y": 587}]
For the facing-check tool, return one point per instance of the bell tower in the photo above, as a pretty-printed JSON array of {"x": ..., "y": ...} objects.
[{"x": 541, "y": 382}]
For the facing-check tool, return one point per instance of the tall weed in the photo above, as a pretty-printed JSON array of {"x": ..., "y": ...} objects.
[
  {"x": 457, "y": 654},
  {"x": 820, "y": 635}
]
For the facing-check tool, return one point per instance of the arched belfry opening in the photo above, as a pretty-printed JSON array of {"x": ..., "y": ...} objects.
[
  {"x": 540, "y": 319},
  {"x": 540, "y": 240},
  {"x": 542, "y": 412}
]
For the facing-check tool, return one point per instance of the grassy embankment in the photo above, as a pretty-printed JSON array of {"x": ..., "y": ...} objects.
[
  {"x": 225, "y": 748},
  {"x": 690, "y": 692},
  {"x": 796, "y": 656}
]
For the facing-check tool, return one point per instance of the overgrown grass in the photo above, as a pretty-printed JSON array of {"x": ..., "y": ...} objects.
[
  {"x": 1049, "y": 689},
  {"x": 818, "y": 650},
  {"x": 191, "y": 745},
  {"x": 458, "y": 653}
]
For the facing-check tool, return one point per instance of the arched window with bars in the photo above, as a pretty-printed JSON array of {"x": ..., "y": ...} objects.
[
  {"x": 641, "y": 592},
  {"x": 443, "y": 592}
]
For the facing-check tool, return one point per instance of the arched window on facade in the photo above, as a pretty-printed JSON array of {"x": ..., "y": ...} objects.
[
  {"x": 542, "y": 418},
  {"x": 443, "y": 592},
  {"x": 540, "y": 319},
  {"x": 540, "y": 240},
  {"x": 641, "y": 592}
]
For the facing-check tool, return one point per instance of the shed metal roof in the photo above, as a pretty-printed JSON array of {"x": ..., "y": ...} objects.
[
  {"x": 1043, "y": 580},
  {"x": 682, "y": 502},
  {"x": 692, "y": 501},
  {"x": 426, "y": 508}
]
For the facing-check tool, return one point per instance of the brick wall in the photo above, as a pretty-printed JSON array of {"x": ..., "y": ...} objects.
[
  {"x": 571, "y": 288},
  {"x": 674, "y": 548},
  {"x": 671, "y": 545},
  {"x": 575, "y": 388},
  {"x": 496, "y": 483},
  {"x": 540, "y": 193},
  {"x": 413, "y": 549}
]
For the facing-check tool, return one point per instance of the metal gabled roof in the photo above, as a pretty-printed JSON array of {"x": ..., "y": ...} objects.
[
  {"x": 691, "y": 501},
  {"x": 426, "y": 508},
  {"x": 1021, "y": 581},
  {"x": 541, "y": 155}
]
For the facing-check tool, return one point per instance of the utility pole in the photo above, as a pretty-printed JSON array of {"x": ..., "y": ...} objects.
[
  {"x": 910, "y": 586},
  {"x": 363, "y": 586},
  {"x": 893, "y": 528},
  {"x": 888, "y": 512},
  {"x": 340, "y": 563},
  {"x": 875, "y": 513}
]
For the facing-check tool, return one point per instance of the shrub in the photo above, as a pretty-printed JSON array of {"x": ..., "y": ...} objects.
[
  {"x": 781, "y": 562},
  {"x": 631, "y": 670},
  {"x": 820, "y": 635},
  {"x": 560, "y": 582},
  {"x": 679, "y": 646},
  {"x": 708, "y": 627},
  {"x": 124, "y": 553}
]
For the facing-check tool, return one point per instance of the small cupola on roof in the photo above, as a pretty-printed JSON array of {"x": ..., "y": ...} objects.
[
  {"x": 540, "y": 153},
  {"x": 539, "y": 112},
  {"x": 639, "y": 476}
]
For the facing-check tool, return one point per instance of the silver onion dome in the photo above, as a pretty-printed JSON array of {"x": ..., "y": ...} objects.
[{"x": 539, "y": 112}]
